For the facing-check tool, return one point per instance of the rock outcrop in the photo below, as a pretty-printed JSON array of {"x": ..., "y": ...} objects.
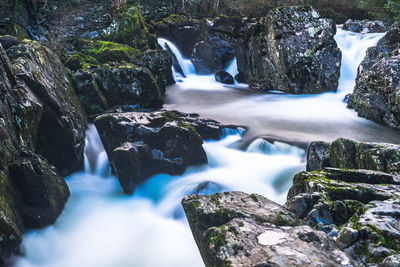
[
  {"x": 292, "y": 50},
  {"x": 38, "y": 103},
  {"x": 142, "y": 144},
  {"x": 356, "y": 186},
  {"x": 237, "y": 229},
  {"x": 349, "y": 154},
  {"x": 375, "y": 96}
]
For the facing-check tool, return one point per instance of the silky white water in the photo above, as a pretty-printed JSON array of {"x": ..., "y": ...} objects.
[{"x": 102, "y": 227}]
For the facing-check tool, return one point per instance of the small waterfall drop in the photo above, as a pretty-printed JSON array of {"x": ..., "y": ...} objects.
[
  {"x": 191, "y": 79},
  {"x": 96, "y": 159}
]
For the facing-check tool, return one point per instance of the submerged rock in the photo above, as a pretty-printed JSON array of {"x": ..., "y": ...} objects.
[
  {"x": 142, "y": 144},
  {"x": 292, "y": 50},
  {"x": 353, "y": 26},
  {"x": 375, "y": 96},
  {"x": 224, "y": 77},
  {"x": 237, "y": 229}
]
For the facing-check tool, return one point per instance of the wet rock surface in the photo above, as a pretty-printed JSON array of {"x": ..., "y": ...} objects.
[
  {"x": 237, "y": 229},
  {"x": 36, "y": 97},
  {"x": 292, "y": 50},
  {"x": 375, "y": 96},
  {"x": 142, "y": 144}
]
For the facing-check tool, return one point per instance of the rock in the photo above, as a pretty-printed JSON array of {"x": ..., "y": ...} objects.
[
  {"x": 61, "y": 133},
  {"x": 347, "y": 236},
  {"x": 391, "y": 261},
  {"x": 380, "y": 252},
  {"x": 223, "y": 77},
  {"x": 375, "y": 26},
  {"x": 375, "y": 96},
  {"x": 142, "y": 144},
  {"x": 159, "y": 62},
  {"x": 302, "y": 204},
  {"x": 90, "y": 95},
  {"x": 32, "y": 193},
  {"x": 128, "y": 85},
  {"x": 238, "y": 229},
  {"x": 353, "y": 26},
  {"x": 42, "y": 193},
  {"x": 349, "y": 154},
  {"x": 208, "y": 57},
  {"x": 7, "y": 41},
  {"x": 291, "y": 50},
  {"x": 318, "y": 156}
]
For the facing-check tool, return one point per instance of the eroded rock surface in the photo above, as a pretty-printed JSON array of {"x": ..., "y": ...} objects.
[{"x": 237, "y": 229}]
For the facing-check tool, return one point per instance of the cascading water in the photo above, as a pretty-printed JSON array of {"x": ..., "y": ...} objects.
[
  {"x": 291, "y": 118},
  {"x": 191, "y": 77},
  {"x": 102, "y": 227}
]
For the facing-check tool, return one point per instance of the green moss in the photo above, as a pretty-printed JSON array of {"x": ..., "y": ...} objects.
[
  {"x": 187, "y": 126},
  {"x": 130, "y": 29},
  {"x": 169, "y": 115},
  {"x": 15, "y": 30},
  {"x": 254, "y": 197},
  {"x": 104, "y": 51},
  {"x": 78, "y": 61},
  {"x": 215, "y": 199},
  {"x": 195, "y": 204}
]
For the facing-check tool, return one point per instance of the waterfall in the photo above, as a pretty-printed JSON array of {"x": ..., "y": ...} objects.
[{"x": 191, "y": 78}]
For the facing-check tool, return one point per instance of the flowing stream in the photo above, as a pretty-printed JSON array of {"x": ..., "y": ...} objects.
[{"x": 101, "y": 226}]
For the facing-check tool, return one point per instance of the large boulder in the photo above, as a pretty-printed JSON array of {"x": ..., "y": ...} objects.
[
  {"x": 61, "y": 134},
  {"x": 224, "y": 77},
  {"x": 376, "y": 95},
  {"x": 237, "y": 229},
  {"x": 142, "y": 144},
  {"x": 353, "y": 26},
  {"x": 292, "y": 50}
]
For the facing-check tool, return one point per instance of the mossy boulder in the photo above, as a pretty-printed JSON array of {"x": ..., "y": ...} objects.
[
  {"x": 104, "y": 51},
  {"x": 238, "y": 229},
  {"x": 77, "y": 61},
  {"x": 16, "y": 30},
  {"x": 129, "y": 28}
]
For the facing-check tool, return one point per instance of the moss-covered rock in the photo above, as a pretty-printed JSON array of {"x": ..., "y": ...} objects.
[
  {"x": 237, "y": 229},
  {"x": 104, "y": 51},
  {"x": 77, "y": 61},
  {"x": 16, "y": 30},
  {"x": 129, "y": 28}
]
